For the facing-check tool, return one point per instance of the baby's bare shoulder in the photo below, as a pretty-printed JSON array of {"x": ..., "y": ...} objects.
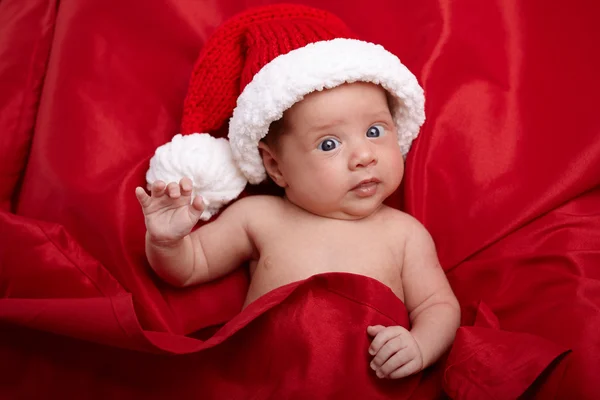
[
  {"x": 258, "y": 207},
  {"x": 414, "y": 233},
  {"x": 398, "y": 220}
]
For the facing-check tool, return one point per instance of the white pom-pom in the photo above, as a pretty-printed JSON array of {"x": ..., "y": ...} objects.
[{"x": 207, "y": 161}]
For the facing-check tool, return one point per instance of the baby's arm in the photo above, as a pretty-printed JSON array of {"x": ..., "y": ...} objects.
[
  {"x": 183, "y": 258},
  {"x": 433, "y": 310}
]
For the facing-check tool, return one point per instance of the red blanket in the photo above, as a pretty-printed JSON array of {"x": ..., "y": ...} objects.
[
  {"x": 305, "y": 340},
  {"x": 505, "y": 175}
]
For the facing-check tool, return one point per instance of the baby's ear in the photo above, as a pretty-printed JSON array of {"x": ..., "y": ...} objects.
[{"x": 271, "y": 164}]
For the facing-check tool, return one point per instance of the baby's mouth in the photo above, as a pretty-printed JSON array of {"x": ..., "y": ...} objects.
[{"x": 367, "y": 187}]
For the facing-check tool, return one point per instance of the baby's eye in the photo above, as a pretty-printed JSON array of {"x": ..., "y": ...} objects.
[
  {"x": 376, "y": 131},
  {"x": 328, "y": 144}
]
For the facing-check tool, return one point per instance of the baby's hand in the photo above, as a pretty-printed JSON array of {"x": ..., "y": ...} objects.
[
  {"x": 169, "y": 213},
  {"x": 395, "y": 350}
]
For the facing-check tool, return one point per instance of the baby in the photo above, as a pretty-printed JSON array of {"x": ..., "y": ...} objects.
[{"x": 336, "y": 153}]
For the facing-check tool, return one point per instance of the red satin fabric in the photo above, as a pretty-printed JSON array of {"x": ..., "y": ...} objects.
[
  {"x": 304, "y": 340},
  {"x": 307, "y": 339},
  {"x": 505, "y": 175}
]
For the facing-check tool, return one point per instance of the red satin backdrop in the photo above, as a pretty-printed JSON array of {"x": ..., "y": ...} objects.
[{"x": 505, "y": 175}]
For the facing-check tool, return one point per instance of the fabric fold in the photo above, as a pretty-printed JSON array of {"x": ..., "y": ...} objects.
[{"x": 488, "y": 363}]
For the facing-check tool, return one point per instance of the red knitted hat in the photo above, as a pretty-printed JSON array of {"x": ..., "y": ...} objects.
[
  {"x": 240, "y": 48},
  {"x": 254, "y": 67}
]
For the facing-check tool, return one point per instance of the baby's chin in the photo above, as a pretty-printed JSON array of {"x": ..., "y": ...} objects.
[
  {"x": 346, "y": 209},
  {"x": 344, "y": 213},
  {"x": 354, "y": 215}
]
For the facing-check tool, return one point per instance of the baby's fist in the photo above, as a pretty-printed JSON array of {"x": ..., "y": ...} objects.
[{"x": 395, "y": 352}]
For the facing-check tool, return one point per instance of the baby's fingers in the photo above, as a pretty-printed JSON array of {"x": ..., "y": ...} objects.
[
  {"x": 411, "y": 367},
  {"x": 197, "y": 207},
  {"x": 186, "y": 186},
  {"x": 173, "y": 190},
  {"x": 142, "y": 197},
  {"x": 387, "y": 353},
  {"x": 393, "y": 362},
  {"x": 158, "y": 189},
  {"x": 382, "y": 337},
  {"x": 374, "y": 329}
]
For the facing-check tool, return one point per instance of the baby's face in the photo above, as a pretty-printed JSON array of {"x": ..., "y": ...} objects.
[{"x": 339, "y": 155}]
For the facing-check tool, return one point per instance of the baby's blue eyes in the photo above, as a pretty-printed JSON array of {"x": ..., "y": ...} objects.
[
  {"x": 329, "y": 144},
  {"x": 375, "y": 131}
]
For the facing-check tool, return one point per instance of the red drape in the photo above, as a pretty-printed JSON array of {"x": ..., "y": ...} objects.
[{"x": 505, "y": 175}]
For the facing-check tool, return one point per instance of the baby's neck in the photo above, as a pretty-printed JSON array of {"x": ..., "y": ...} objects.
[{"x": 339, "y": 215}]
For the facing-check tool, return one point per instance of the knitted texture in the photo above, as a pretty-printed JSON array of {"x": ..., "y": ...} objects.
[{"x": 239, "y": 48}]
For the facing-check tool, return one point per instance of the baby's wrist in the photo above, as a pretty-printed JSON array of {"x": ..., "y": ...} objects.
[
  {"x": 424, "y": 363},
  {"x": 162, "y": 243}
]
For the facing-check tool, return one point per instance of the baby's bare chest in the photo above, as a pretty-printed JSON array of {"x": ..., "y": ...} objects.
[
  {"x": 301, "y": 251},
  {"x": 320, "y": 249}
]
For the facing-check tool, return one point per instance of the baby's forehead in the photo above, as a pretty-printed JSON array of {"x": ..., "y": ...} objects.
[
  {"x": 341, "y": 104},
  {"x": 358, "y": 88}
]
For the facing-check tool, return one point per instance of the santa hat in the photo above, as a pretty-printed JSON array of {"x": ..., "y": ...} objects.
[{"x": 252, "y": 69}]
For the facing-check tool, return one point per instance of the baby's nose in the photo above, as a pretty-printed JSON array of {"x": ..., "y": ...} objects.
[{"x": 363, "y": 156}]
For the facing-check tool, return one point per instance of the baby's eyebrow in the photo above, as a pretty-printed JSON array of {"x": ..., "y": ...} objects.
[
  {"x": 325, "y": 126},
  {"x": 380, "y": 114}
]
